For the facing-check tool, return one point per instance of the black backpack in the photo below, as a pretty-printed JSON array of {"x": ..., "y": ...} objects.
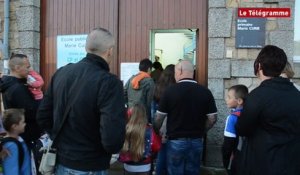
[{"x": 20, "y": 148}]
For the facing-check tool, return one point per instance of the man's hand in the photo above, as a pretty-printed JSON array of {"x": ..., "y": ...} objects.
[
  {"x": 211, "y": 120},
  {"x": 158, "y": 121}
]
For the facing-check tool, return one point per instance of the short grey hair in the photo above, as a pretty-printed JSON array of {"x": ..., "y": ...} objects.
[{"x": 99, "y": 40}]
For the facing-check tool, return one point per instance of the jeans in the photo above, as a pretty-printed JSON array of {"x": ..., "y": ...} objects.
[
  {"x": 62, "y": 170},
  {"x": 184, "y": 156},
  {"x": 161, "y": 162},
  {"x": 154, "y": 107}
]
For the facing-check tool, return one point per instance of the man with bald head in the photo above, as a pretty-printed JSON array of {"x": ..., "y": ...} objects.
[
  {"x": 95, "y": 124},
  {"x": 191, "y": 111},
  {"x": 16, "y": 94}
]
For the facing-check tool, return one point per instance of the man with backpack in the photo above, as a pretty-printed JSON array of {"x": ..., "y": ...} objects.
[{"x": 140, "y": 87}]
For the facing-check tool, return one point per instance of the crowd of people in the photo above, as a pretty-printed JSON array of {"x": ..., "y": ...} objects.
[{"x": 161, "y": 120}]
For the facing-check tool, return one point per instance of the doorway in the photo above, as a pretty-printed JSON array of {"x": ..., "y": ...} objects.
[{"x": 171, "y": 46}]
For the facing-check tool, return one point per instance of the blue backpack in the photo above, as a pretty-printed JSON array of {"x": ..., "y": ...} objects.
[{"x": 20, "y": 149}]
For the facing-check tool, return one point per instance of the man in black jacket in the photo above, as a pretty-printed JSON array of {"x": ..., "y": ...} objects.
[
  {"x": 15, "y": 94},
  {"x": 95, "y": 124}
]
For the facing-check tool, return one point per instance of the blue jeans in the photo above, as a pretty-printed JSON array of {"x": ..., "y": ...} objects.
[
  {"x": 154, "y": 107},
  {"x": 161, "y": 162},
  {"x": 184, "y": 156},
  {"x": 62, "y": 170}
]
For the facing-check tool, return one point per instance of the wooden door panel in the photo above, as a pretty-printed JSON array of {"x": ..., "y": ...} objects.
[
  {"x": 69, "y": 17},
  {"x": 130, "y": 21}
]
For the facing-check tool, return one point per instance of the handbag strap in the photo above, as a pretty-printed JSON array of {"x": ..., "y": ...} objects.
[
  {"x": 72, "y": 100},
  {"x": 62, "y": 123}
]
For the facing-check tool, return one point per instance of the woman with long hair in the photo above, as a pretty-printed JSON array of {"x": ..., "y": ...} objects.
[{"x": 166, "y": 79}]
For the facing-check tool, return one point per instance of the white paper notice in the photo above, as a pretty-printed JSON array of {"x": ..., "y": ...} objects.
[
  {"x": 70, "y": 49},
  {"x": 127, "y": 70}
]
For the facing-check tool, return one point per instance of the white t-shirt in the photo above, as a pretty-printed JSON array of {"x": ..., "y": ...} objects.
[{"x": 137, "y": 168}]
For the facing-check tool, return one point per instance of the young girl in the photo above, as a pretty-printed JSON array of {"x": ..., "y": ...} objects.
[
  {"x": 18, "y": 161},
  {"x": 141, "y": 143}
]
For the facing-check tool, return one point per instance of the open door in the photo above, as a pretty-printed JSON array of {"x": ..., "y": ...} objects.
[{"x": 170, "y": 46}]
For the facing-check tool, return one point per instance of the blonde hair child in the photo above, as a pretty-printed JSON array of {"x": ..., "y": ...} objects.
[{"x": 140, "y": 142}]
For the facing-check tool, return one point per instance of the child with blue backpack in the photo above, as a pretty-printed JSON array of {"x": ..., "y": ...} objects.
[{"x": 18, "y": 161}]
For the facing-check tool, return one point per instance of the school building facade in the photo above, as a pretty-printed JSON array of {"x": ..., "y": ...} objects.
[{"x": 219, "y": 62}]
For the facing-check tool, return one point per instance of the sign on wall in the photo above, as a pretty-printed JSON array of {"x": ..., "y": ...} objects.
[
  {"x": 250, "y": 33},
  {"x": 70, "y": 49},
  {"x": 127, "y": 70}
]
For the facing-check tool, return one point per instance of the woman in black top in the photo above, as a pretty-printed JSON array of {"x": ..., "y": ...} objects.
[{"x": 270, "y": 120}]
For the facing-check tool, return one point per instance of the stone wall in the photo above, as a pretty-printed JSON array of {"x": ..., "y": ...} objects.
[
  {"x": 225, "y": 70},
  {"x": 24, "y": 35}
]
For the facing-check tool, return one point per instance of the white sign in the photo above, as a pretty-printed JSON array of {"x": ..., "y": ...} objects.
[
  {"x": 70, "y": 49},
  {"x": 127, "y": 70}
]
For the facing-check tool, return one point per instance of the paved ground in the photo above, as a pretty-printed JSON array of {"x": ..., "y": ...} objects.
[{"x": 117, "y": 169}]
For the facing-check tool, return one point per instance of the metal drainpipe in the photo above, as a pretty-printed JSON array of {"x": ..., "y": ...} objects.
[{"x": 5, "y": 37}]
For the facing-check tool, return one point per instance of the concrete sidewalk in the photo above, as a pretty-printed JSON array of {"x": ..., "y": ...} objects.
[{"x": 117, "y": 169}]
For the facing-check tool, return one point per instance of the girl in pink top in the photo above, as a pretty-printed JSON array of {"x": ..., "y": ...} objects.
[{"x": 35, "y": 83}]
